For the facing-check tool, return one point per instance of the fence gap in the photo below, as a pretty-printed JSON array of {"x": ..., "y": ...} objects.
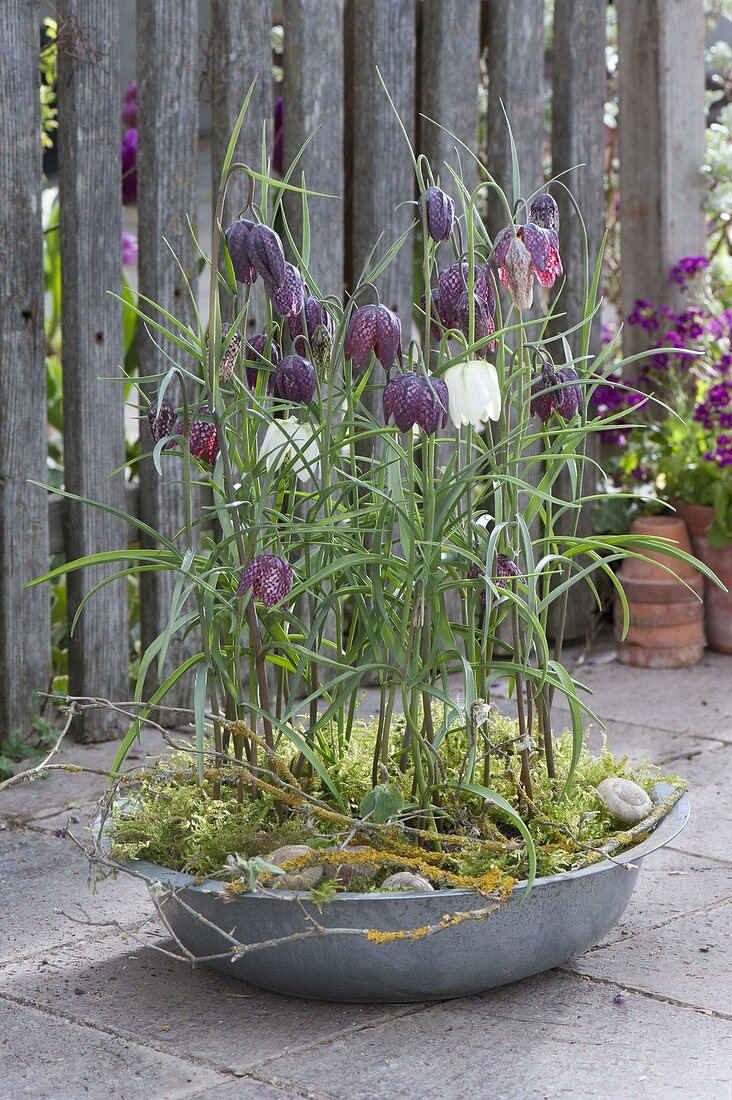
[
  {"x": 91, "y": 266},
  {"x": 167, "y": 171},
  {"x": 25, "y": 624}
]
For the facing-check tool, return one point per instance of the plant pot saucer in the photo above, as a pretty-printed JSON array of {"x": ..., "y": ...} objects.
[{"x": 562, "y": 916}]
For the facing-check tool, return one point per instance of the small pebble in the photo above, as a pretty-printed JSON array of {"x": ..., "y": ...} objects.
[
  {"x": 618, "y": 999},
  {"x": 304, "y": 879}
]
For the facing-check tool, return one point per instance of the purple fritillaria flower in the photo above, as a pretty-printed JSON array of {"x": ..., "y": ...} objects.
[
  {"x": 539, "y": 238},
  {"x": 506, "y": 570},
  {"x": 203, "y": 440},
  {"x": 482, "y": 321},
  {"x": 316, "y": 315},
  {"x": 255, "y": 350},
  {"x": 129, "y": 168},
  {"x": 440, "y": 213},
  {"x": 413, "y": 399},
  {"x": 229, "y": 357},
  {"x": 270, "y": 578},
  {"x": 377, "y": 329},
  {"x": 552, "y": 391},
  {"x": 236, "y": 236},
  {"x": 267, "y": 256},
  {"x": 289, "y": 298},
  {"x": 161, "y": 418},
  {"x": 295, "y": 380}
]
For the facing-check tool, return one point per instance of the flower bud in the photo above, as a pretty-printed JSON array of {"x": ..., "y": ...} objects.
[
  {"x": 545, "y": 212},
  {"x": 295, "y": 380},
  {"x": 440, "y": 213},
  {"x": 236, "y": 236},
  {"x": 229, "y": 357},
  {"x": 267, "y": 256},
  {"x": 289, "y": 298}
]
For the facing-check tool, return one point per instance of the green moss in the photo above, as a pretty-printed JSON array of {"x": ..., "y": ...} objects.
[{"x": 170, "y": 820}]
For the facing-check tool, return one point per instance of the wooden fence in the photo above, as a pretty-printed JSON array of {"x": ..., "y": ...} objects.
[{"x": 428, "y": 52}]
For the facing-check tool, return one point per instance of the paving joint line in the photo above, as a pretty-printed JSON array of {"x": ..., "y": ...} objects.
[
  {"x": 659, "y": 998},
  {"x": 699, "y": 855}
]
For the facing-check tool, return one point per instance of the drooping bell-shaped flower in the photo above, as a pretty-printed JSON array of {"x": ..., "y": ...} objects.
[
  {"x": 474, "y": 393},
  {"x": 270, "y": 578},
  {"x": 256, "y": 351},
  {"x": 556, "y": 390},
  {"x": 236, "y": 236},
  {"x": 289, "y": 298},
  {"x": 316, "y": 316},
  {"x": 452, "y": 283},
  {"x": 505, "y": 571},
  {"x": 161, "y": 418},
  {"x": 377, "y": 329},
  {"x": 414, "y": 399},
  {"x": 287, "y": 441},
  {"x": 515, "y": 267},
  {"x": 483, "y": 324},
  {"x": 532, "y": 251},
  {"x": 295, "y": 380},
  {"x": 267, "y": 256},
  {"x": 203, "y": 440},
  {"x": 440, "y": 213}
]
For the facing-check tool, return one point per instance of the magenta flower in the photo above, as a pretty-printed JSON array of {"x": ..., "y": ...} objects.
[
  {"x": 203, "y": 440},
  {"x": 130, "y": 249},
  {"x": 235, "y": 236},
  {"x": 129, "y": 168},
  {"x": 256, "y": 348},
  {"x": 552, "y": 391},
  {"x": 377, "y": 329},
  {"x": 269, "y": 577},
  {"x": 506, "y": 570},
  {"x": 295, "y": 380},
  {"x": 440, "y": 213},
  {"x": 413, "y": 399}
]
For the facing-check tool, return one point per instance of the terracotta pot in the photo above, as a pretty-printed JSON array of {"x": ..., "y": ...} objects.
[
  {"x": 718, "y": 604},
  {"x": 666, "y": 613}
]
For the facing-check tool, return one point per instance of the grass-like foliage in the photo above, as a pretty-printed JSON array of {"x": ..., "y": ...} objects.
[{"x": 338, "y": 551}]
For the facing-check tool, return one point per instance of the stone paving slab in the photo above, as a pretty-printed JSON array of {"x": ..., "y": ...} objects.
[
  {"x": 687, "y": 960},
  {"x": 246, "y": 1088},
  {"x": 147, "y": 997},
  {"x": 49, "y": 1058},
  {"x": 552, "y": 1036},
  {"x": 43, "y": 876},
  {"x": 709, "y": 831}
]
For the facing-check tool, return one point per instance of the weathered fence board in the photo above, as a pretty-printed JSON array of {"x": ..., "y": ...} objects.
[
  {"x": 313, "y": 69},
  {"x": 241, "y": 50},
  {"x": 90, "y": 202},
  {"x": 661, "y": 92},
  {"x": 166, "y": 169},
  {"x": 578, "y": 138},
  {"x": 381, "y": 33},
  {"x": 25, "y": 643},
  {"x": 516, "y": 80}
]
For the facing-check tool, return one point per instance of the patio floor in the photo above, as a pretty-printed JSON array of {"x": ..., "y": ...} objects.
[{"x": 88, "y": 1012}]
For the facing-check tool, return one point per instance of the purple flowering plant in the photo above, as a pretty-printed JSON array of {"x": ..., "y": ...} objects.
[
  {"x": 385, "y": 506},
  {"x": 673, "y": 426}
]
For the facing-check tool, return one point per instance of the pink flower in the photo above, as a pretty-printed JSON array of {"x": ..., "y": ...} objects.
[{"x": 130, "y": 249}]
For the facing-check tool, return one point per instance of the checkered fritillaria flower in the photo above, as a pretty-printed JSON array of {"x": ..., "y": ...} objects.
[
  {"x": 162, "y": 420},
  {"x": 203, "y": 440},
  {"x": 377, "y": 329},
  {"x": 267, "y": 256},
  {"x": 452, "y": 283},
  {"x": 440, "y": 213},
  {"x": 295, "y": 380},
  {"x": 236, "y": 236},
  {"x": 412, "y": 399},
  {"x": 316, "y": 315},
  {"x": 229, "y": 357},
  {"x": 270, "y": 578},
  {"x": 256, "y": 352},
  {"x": 506, "y": 570},
  {"x": 552, "y": 390},
  {"x": 531, "y": 251},
  {"x": 483, "y": 324},
  {"x": 288, "y": 299},
  {"x": 474, "y": 393}
]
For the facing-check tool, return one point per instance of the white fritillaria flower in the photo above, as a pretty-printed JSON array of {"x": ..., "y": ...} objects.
[
  {"x": 475, "y": 395},
  {"x": 287, "y": 441}
]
